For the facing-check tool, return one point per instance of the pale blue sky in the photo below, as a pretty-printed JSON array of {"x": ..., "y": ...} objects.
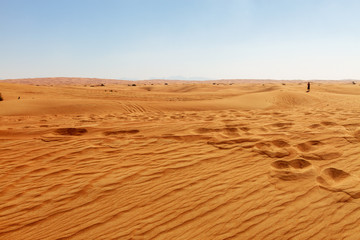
[{"x": 189, "y": 39}]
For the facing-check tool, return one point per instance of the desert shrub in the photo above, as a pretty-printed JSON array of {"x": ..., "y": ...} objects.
[
  {"x": 1, "y": 98},
  {"x": 134, "y": 85},
  {"x": 166, "y": 83}
]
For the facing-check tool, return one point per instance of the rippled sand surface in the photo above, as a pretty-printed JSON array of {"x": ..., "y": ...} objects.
[{"x": 180, "y": 161}]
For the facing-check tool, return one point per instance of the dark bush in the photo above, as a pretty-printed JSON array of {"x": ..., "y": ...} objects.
[{"x": 1, "y": 98}]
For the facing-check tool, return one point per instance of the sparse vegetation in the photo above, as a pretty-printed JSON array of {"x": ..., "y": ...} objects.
[
  {"x": 1, "y": 98},
  {"x": 166, "y": 83},
  {"x": 134, "y": 85}
]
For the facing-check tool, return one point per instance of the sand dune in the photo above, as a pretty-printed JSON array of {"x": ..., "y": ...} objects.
[{"x": 180, "y": 161}]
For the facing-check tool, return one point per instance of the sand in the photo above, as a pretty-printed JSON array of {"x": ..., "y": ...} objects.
[{"x": 179, "y": 161}]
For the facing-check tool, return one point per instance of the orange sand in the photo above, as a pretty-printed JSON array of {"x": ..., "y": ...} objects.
[{"x": 182, "y": 161}]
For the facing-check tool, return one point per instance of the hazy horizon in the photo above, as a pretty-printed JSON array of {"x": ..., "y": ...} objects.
[{"x": 185, "y": 40}]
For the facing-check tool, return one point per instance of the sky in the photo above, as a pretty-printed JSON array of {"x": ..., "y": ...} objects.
[{"x": 180, "y": 39}]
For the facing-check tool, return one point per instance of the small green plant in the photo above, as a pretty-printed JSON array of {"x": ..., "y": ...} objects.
[{"x": 1, "y": 98}]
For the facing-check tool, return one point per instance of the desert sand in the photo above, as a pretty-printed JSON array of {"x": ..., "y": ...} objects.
[{"x": 187, "y": 160}]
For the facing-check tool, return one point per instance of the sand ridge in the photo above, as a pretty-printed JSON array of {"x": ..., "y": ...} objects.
[{"x": 180, "y": 161}]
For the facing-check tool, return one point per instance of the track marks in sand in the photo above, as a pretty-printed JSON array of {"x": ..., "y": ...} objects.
[
  {"x": 292, "y": 170},
  {"x": 319, "y": 149},
  {"x": 71, "y": 131},
  {"x": 357, "y": 134},
  {"x": 308, "y": 146},
  {"x": 282, "y": 125},
  {"x": 121, "y": 132},
  {"x": 337, "y": 180},
  {"x": 221, "y": 132},
  {"x": 296, "y": 164},
  {"x": 277, "y": 148}
]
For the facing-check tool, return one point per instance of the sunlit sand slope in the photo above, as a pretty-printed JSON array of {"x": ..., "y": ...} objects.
[{"x": 196, "y": 161}]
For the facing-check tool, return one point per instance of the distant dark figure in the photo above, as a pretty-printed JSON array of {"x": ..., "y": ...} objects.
[{"x": 308, "y": 87}]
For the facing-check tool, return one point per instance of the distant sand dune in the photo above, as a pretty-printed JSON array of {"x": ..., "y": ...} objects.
[{"x": 179, "y": 161}]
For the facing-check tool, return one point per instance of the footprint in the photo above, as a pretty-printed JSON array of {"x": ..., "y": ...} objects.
[
  {"x": 357, "y": 133},
  {"x": 351, "y": 126},
  {"x": 309, "y": 145},
  {"x": 245, "y": 129},
  {"x": 280, "y": 143},
  {"x": 294, "y": 170},
  {"x": 295, "y": 164},
  {"x": 337, "y": 180},
  {"x": 299, "y": 164},
  {"x": 121, "y": 132},
  {"x": 282, "y": 125},
  {"x": 315, "y": 126},
  {"x": 227, "y": 131},
  {"x": 186, "y": 138},
  {"x": 71, "y": 131},
  {"x": 280, "y": 164},
  {"x": 326, "y": 123},
  {"x": 230, "y": 130},
  {"x": 274, "y": 149},
  {"x": 207, "y": 130}
]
